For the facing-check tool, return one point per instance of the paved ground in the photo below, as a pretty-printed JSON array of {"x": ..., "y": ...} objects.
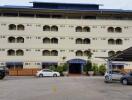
[{"x": 62, "y": 88}]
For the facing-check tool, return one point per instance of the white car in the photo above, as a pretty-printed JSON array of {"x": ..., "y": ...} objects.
[
  {"x": 46, "y": 73},
  {"x": 114, "y": 75}
]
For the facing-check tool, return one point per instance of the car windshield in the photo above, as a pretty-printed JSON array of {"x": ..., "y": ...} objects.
[
  {"x": 47, "y": 70},
  {"x": 114, "y": 72}
]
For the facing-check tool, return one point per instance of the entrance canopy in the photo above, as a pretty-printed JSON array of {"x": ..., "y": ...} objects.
[
  {"x": 125, "y": 55},
  {"x": 77, "y": 61}
]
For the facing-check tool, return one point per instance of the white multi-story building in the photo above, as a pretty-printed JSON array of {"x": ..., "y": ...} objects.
[{"x": 53, "y": 33}]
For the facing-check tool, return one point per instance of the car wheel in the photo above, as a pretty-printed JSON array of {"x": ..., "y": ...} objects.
[
  {"x": 124, "y": 81},
  {"x": 41, "y": 75},
  {"x": 106, "y": 78},
  {"x": 54, "y": 75}
]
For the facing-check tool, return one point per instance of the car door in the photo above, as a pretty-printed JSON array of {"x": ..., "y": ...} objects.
[
  {"x": 44, "y": 72},
  {"x": 48, "y": 73},
  {"x": 116, "y": 75}
]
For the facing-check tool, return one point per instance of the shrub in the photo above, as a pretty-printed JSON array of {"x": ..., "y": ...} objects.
[
  {"x": 88, "y": 67},
  {"x": 95, "y": 69},
  {"x": 102, "y": 69},
  {"x": 53, "y": 68},
  {"x": 59, "y": 69},
  {"x": 65, "y": 67}
]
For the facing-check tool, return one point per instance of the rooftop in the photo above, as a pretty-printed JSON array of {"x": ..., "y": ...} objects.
[{"x": 65, "y": 7}]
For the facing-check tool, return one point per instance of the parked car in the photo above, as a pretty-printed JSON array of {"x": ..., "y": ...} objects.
[
  {"x": 3, "y": 72},
  {"x": 126, "y": 79},
  {"x": 47, "y": 72},
  {"x": 113, "y": 75}
]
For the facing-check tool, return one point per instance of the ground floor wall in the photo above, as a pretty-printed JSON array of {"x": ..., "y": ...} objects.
[{"x": 75, "y": 66}]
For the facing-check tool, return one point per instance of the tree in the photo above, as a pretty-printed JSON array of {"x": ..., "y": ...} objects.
[{"x": 88, "y": 66}]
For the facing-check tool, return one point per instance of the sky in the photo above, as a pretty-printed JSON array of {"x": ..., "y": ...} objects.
[{"x": 107, "y": 4}]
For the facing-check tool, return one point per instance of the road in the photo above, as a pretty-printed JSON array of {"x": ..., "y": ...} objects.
[{"x": 62, "y": 88}]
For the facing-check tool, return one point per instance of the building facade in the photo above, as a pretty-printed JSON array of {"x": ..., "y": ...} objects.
[{"x": 54, "y": 33}]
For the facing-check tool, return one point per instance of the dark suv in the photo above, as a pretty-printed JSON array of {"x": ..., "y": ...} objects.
[
  {"x": 3, "y": 72},
  {"x": 126, "y": 79}
]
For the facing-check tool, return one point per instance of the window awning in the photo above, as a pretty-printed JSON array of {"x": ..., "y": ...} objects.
[
  {"x": 14, "y": 63},
  {"x": 49, "y": 63}
]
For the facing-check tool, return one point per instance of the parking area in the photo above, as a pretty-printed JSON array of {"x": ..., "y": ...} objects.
[{"x": 62, "y": 88}]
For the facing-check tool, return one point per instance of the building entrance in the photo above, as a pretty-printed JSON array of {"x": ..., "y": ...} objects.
[{"x": 75, "y": 68}]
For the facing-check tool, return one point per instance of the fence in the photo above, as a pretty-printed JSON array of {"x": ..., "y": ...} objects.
[{"x": 22, "y": 72}]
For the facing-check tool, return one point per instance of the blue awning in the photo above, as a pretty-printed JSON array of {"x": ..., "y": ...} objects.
[
  {"x": 14, "y": 63},
  {"x": 49, "y": 63},
  {"x": 77, "y": 61}
]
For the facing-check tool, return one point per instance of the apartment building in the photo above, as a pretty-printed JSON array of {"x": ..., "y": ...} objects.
[{"x": 48, "y": 34}]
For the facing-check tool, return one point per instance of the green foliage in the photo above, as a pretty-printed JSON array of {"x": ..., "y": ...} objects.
[
  {"x": 102, "y": 69},
  {"x": 88, "y": 67},
  {"x": 89, "y": 55},
  {"x": 53, "y": 68},
  {"x": 95, "y": 68},
  {"x": 59, "y": 69},
  {"x": 65, "y": 67}
]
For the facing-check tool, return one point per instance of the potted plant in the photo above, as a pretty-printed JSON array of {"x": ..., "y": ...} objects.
[
  {"x": 90, "y": 69},
  {"x": 95, "y": 69},
  {"x": 102, "y": 69},
  {"x": 85, "y": 70},
  {"x": 65, "y": 69},
  {"x": 89, "y": 64}
]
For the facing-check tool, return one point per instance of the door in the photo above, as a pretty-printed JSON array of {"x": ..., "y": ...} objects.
[
  {"x": 75, "y": 68},
  {"x": 116, "y": 75}
]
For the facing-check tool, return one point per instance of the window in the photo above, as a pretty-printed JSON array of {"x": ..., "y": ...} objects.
[
  {"x": 46, "y": 53},
  {"x": 46, "y": 40},
  {"x": 46, "y": 28},
  {"x": 119, "y": 42},
  {"x": 111, "y": 41},
  {"x": 79, "y": 41},
  {"x": 11, "y": 39},
  {"x": 12, "y": 27},
  {"x": 20, "y": 40},
  {"x": 11, "y": 52},
  {"x": 118, "y": 52},
  {"x": 78, "y": 29},
  {"x": 20, "y": 27},
  {"x": 19, "y": 53},
  {"x": 86, "y": 29},
  {"x": 79, "y": 53},
  {"x": 86, "y": 41},
  {"x": 54, "y": 40},
  {"x": 54, "y": 28},
  {"x": 118, "y": 29},
  {"x": 111, "y": 53},
  {"x": 87, "y": 52},
  {"x": 110, "y": 29},
  {"x": 54, "y": 53}
]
